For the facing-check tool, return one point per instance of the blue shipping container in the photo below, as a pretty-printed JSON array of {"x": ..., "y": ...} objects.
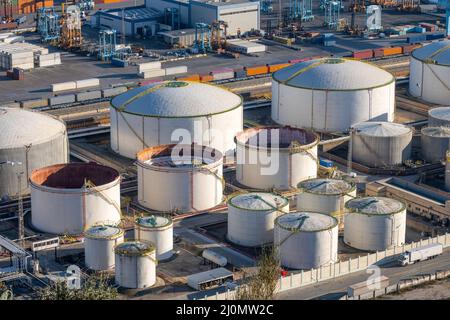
[
  {"x": 417, "y": 38},
  {"x": 326, "y": 163}
]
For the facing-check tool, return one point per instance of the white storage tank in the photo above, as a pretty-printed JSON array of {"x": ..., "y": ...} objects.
[
  {"x": 172, "y": 112},
  {"x": 275, "y": 157},
  {"x": 34, "y": 139},
  {"x": 135, "y": 264},
  {"x": 68, "y": 198},
  {"x": 251, "y": 217},
  {"x": 374, "y": 223},
  {"x": 326, "y": 196},
  {"x": 158, "y": 230},
  {"x": 439, "y": 117},
  {"x": 328, "y": 95},
  {"x": 182, "y": 178},
  {"x": 381, "y": 144},
  {"x": 429, "y": 72},
  {"x": 306, "y": 240},
  {"x": 99, "y": 243},
  {"x": 435, "y": 143}
]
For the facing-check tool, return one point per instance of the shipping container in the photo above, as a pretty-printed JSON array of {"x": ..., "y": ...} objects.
[
  {"x": 392, "y": 51},
  {"x": 65, "y": 99},
  {"x": 363, "y": 54},
  {"x": 192, "y": 77},
  {"x": 149, "y": 66},
  {"x": 435, "y": 36},
  {"x": 276, "y": 67},
  {"x": 111, "y": 92},
  {"x": 300, "y": 60},
  {"x": 11, "y": 105},
  {"x": 176, "y": 70},
  {"x": 379, "y": 52},
  {"x": 34, "y": 103},
  {"x": 252, "y": 71},
  {"x": 62, "y": 86},
  {"x": 153, "y": 73},
  {"x": 147, "y": 82},
  {"x": 206, "y": 78},
  {"x": 407, "y": 49},
  {"x": 93, "y": 82},
  {"x": 88, "y": 95},
  {"x": 326, "y": 163},
  {"x": 222, "y": 74},
  {"x": 417, "y": 38}
]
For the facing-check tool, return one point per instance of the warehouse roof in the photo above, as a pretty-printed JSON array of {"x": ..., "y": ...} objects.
[
  {"x": 22, "y": 127},
  {"x": 103, "y": 232},
  {"x": 326, "y": 186},
  {"x": 381, "y": 129},
  {"x": 436, "y": 52},
  {"x": 176, "y": 99},
  {"x": 375, "y": 205},
  {"x": 333, "y": 74},
  {"x": 258, "y": 201},
  {"x": 440, "y": 113},
  {"x": 306, "y": 221}
]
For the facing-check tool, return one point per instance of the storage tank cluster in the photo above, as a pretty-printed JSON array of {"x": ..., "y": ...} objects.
[
  {"x": 328, "y": 95},
  {"x": 374, "y": 223},
  {"x": 251, "y": 217},
  {"x": 274, "y": 157},
  {"x": 68, "y": 198},
  {"x": 439, "y": 117},
  {"x": 435, "y": 143},
  {"x": 135, "y": 264},
  {"x": 158, "y": 230},
  {"x": 306, "y": 240},
  {"x": 31, "y": 140},
  {"x": 429, "y": 77},
  {"x": 381, "y": 144},
  {"x": 174, "y": 111},
  {"x": 181, "y": 178}
]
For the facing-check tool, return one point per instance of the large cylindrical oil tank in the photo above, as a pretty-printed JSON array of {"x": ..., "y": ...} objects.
[
  {"x": 429, "y": 76},
  {"x": 381, "y": 144},
  {"x": 99, "y": 243},
  {"x": 328, "y": 95},
  {"x": 439, "y": 117},
  {"x": 447, "y": 171},
  {"x": 181, "y": 178},
  {"x": 325, "y": 196},
  {"x": 251, "y": 217},
  {"x": 175, "y": 112},
  {"x": 275, "y": 157},
  {"x": 33, "y": 139},
  {"x": 68, "y": 198},
  {"x": 435, "y": 143},
  {"x": 135, "y": 264},
  {"x": 374, "y": 223},
  {"x": 306, "y": 240},
  {"x": 158, "y": 230}
]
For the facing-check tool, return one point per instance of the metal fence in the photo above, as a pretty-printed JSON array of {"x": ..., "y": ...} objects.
[{"x": 341, "y": 268}]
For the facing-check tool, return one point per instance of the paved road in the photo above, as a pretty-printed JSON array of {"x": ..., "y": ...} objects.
[{"x": 336, "y": 288}]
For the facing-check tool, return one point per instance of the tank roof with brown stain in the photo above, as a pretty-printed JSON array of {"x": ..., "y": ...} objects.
[
  {"x": 174, "y": 155},
  {"x": 286, "y": 137},
  {"x": 73, "y": 175}
]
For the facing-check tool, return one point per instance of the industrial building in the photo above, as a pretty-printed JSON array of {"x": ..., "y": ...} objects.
[
  {"x": 182, "y": 38},
  {"x": 140, "y": 21},
  {"x": 275, "y": 157},
  {"x": 180, "y": 178},
  {"x": 430, "y": 72},
  {"x": 240, "y": 15},
  {"x": 374, "y": 223},
  {"x": 29, "y": 140},
  {"x": 68, "y": 198},
  {"x": 251, "y": 217},
  {"x": 164, "y": 113},
  {"x": 310, "y": 94}
]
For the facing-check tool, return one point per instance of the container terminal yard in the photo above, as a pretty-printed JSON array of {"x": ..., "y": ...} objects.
[{"x": 166, "y": 151}]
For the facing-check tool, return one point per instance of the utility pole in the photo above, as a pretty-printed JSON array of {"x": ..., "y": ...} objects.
[{"x": 123, "y": 27}]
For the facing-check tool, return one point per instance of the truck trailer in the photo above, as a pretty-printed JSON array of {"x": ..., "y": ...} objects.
[{"x": 420, "y": 254}]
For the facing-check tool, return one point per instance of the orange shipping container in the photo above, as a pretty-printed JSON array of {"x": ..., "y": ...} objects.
[
  {"x": 30, "y": 6},
  {"x": 276, "y": 67},
  {"x": 392, "y": 51},
  {"x": 252, "y": 71},
  {"x": 192, "y": 77},
  {"x": 206, "y": 78}
]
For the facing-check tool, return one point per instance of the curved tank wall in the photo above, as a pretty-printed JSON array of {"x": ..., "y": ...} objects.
[
  {"x": 181, "y": 178},
  {"x": 429, "y": 76},
  {"x": 439, "y": 117},
  {"x": 274, "y": 157},
  {"x": 68, "y": 198},
  {"x": 135, "y": 264},
  {"x": 306, "y": 240},
  {"x": 34, "y": 139},
  {"x": 447, "y": 171},
  {"x": 374, "y": 223},
  {"x": 310, "y": 94},
  {"x": 381, "y": 144},
  {"x": 251, "y": 217},
  {"x": 434, "y": 143},
  {"x": 172, "y": 112},
  {"x": 99, "y": 244},
  {"x": 157, "y": 230}
]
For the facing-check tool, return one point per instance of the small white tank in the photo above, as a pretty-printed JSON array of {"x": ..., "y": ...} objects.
[
  {"x": 157, "y": 230},
  {"x": 306, "y": 240},
  {"x": 99, "y": 244},
  {"x": 135, "y": 264},
  {"x": 374, "y": 223},
  {"x": 251, "y": 217}
]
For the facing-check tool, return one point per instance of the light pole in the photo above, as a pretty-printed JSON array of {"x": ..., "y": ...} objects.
[{"x": 19, "y": 198}]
